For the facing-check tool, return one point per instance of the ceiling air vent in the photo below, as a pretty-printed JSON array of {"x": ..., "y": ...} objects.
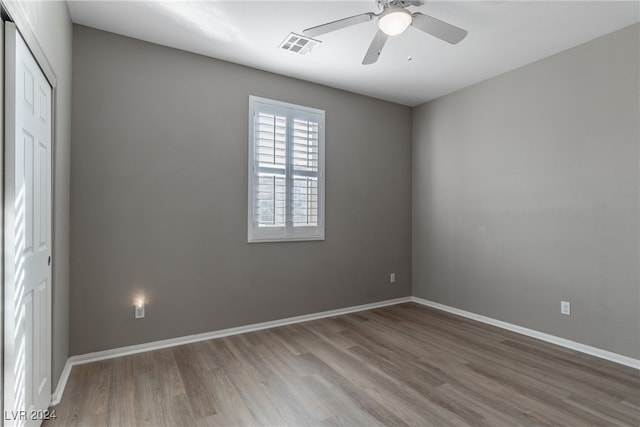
[{"x": 298, "y": 44}]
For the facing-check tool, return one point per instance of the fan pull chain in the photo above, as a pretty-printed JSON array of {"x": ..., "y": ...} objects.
[{"x": 409, "y": 58}]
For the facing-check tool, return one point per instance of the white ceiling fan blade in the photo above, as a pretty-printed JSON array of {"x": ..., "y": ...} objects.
[
  {"x": 339, "y": 24},
  {"x": 375, "y": 48},
  {"x": 437, "y": 28}
]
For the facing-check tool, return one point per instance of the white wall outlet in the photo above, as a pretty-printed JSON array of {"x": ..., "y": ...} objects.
[
  {"x": 392, "y": 278},
  {"x": 139, "y": 311},
  {"x": 565, "y": 308}
]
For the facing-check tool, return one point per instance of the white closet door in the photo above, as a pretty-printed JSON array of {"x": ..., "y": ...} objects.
[{"x": 28, "y": 107}]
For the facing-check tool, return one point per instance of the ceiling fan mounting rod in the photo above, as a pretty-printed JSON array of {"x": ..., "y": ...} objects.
[{"x": 385, "y": 4}]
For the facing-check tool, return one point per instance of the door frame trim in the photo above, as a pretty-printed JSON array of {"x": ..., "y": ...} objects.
[
  {"x": 14, "y": 12},
  {"x": 19, "y": 17}
]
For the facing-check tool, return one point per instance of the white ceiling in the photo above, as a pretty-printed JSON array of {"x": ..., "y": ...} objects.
[{"x": 503, "y": 35}]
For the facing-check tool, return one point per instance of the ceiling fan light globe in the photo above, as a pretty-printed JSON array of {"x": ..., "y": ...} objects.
[{"x": 394, "y": 21}]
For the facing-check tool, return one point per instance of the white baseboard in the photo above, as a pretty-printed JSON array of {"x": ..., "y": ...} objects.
[
  {"x": 62, "y": 383},
  {"x": 593, "y": 351},
  {"x": 156, "y": 345}
]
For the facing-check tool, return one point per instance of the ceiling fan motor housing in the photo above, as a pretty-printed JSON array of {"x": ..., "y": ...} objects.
[{"x": 384, "y": 4}]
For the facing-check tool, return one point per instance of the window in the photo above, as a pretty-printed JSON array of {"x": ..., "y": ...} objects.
[{"x": 286, "y": 171}]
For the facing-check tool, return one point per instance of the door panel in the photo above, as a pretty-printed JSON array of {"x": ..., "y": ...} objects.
[{"x": 24, "y": 183}]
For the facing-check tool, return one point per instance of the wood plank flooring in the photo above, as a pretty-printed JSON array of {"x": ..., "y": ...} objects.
[{"x": 394, "y": 366}]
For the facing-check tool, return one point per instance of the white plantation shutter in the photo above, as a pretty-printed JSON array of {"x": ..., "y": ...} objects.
[
  {"x": 305, "y": 172},
  {"x": 270, "y": 145},
  {"x": 286, "y": 176}
]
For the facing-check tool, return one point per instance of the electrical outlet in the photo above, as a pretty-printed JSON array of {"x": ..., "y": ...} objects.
[
  {"x": 565, "y": 308},
  {"x": 139, "y": 311},
  {"x": 392, "y": 278}
]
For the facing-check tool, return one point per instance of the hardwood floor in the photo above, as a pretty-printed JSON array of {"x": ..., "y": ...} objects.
[{"x": 395, "y": 366}]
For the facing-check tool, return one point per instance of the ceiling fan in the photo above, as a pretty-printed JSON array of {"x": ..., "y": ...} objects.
[{"x": 393, "y": 20}]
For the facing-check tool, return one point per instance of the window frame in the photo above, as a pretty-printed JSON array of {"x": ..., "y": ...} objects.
[{"x": 288, "y": 232}]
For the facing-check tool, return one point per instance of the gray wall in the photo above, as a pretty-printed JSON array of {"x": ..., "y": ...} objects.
[
  {"x": 525, "y": 193},
  {"x": 159, "y": 198},
  {"x": 51, "y": 25}
]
